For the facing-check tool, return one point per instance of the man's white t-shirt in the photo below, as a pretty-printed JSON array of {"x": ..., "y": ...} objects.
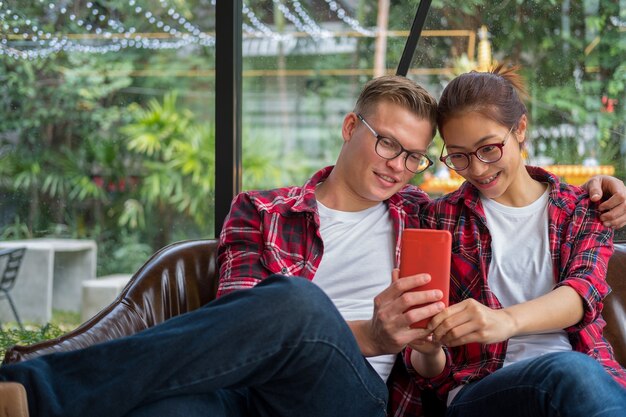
[{"x": 358, "y": 259}]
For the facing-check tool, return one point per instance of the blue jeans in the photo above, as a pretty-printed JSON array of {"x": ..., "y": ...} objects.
[
  {"x": 563, "y": 384},
  {"x": 279, "y": 349}
]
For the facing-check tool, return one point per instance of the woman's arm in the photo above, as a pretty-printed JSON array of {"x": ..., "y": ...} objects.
[
  {"x": 584, "y": 259},
  {"x": 428, "y": 358},
  {"x": 472, "y": 322},
  {"x": 573, "y": 304}
]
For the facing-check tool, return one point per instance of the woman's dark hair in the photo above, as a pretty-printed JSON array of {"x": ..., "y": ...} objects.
[{"x": 497, "y": 94}]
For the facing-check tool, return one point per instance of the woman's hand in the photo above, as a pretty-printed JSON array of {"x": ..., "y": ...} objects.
[
  {"x": 471, "y": 322},
  {"x": 428, "y": 358}
]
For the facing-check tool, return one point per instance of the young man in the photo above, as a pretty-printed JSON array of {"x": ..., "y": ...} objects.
[{"x": 288, "y": 346}]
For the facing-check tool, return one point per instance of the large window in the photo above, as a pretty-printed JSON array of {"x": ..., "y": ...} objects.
[
  {"x": 107, "y": 128},
  {"x": 305, "y": 61}
]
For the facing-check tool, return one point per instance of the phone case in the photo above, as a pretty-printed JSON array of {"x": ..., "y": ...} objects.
[{"x": 427, "y": 251}]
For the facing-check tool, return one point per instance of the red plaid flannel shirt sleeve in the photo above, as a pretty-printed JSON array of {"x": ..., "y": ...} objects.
[
  {"x": 268, "y": 232},
  {"x": 240, "y": 247},
  {"x": 584, "y": 259}
]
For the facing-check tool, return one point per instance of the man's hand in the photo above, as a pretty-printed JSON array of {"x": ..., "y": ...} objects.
[
  {"x": 389, "y": 330},
  {"x": 614, "y": 207}
]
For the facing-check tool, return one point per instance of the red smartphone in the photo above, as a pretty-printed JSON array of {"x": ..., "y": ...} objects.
[{"x": 427, "y": 251}]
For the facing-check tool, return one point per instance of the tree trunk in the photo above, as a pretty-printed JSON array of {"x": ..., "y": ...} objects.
[{"x": 380, "y": 52}]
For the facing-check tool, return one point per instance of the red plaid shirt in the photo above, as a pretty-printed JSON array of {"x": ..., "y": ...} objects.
[
  {"x": 277, "y": 232},
  {"x": 580, "y": 245}
]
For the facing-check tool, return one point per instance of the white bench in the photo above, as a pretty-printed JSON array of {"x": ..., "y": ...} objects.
[
  {"x": 100, "y": 292},
  {"x": 50, "y": 277}
]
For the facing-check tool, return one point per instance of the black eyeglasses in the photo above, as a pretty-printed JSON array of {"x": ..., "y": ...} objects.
[
  {"x": 389, "y": 149},
  {"x": 488, "y": 154}
]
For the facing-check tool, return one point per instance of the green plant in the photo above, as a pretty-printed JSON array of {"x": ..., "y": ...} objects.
[
  {"x": 174, "y": 157},
  {"x": 17, "y": 230},
  {"x": 10, "y": 336},
  {"x": 124, "y": 253},
  {"x": 61, "y": 323}
]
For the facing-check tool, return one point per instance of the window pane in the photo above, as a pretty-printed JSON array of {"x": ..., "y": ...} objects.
[
  {"x": 305, "y": 62},
  {"x": 571, "y": 55},
  {"x": 107, "y": 129}
]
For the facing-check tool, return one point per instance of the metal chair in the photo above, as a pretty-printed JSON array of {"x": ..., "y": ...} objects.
[{"x": 9, "y": 275}]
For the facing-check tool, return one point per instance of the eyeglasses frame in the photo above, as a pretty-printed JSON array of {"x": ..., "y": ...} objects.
[
  {"x": 402, "y": 148},
  {"x": 468, "y": 155}
]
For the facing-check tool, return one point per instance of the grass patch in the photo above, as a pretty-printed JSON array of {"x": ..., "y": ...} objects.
[{"x": 61, "y": 323}]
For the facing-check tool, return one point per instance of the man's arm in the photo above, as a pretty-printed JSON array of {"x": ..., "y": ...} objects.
[
  {"x": 240, "y": 248},
  {"x": 614, "y": 207}
]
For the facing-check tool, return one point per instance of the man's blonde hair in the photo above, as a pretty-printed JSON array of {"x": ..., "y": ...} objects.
[{"x": 401, "y": 91}]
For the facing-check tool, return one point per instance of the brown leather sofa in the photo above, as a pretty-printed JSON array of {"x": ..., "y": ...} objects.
[
  {"x": 178, "y": 278},
  {"x": 183, "y": 276}
]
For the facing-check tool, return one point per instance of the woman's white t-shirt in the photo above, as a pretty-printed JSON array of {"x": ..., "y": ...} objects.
[{"x": 521, "y": 270}]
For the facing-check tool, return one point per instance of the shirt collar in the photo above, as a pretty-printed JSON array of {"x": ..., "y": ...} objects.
[{"x": 306, "y": 201}]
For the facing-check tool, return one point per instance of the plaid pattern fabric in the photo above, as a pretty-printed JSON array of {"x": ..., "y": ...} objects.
[
  {"x": 580, "y": 245},
  {"x": 277, "y": 232}
]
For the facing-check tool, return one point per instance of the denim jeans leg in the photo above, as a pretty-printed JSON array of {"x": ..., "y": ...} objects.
[
  {"x": 283, "y": 339},
  {"x": 219, "y": 403},
  {"x": 563, "y": 384}
]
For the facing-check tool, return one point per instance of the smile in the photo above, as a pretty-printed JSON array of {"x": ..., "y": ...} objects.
[
  {"x": 488, "y": 180},
  {"x": 386, "y": 178}
]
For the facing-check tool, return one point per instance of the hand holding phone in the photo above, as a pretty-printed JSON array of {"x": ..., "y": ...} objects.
[{"x": 426, "y": 251}]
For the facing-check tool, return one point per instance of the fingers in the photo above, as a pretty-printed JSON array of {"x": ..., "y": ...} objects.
[
  {"x": 594, "y": 189},
  {"x": 395, "y": 275},
  {"x": 614, "y": 191},
  {"x": 421, "y": 336},
  {"x": 449, "y": 324},
  {"x": 614, "y": 211},
  {"x": 458, "y": 324},
  {"x": 451, "y": 311},
  {"x": 408, "y": 301},
  {"x": 471, "y": 322},
  {"x": 425, "y": 346},
  {"x": 461, "y": 335},
  {"x": 411, "y": 282},
  {"x": 417, "y": 314},
  {"x": 400, "y": 286}
]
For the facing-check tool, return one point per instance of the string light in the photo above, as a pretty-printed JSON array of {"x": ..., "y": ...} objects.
[
  {"x": 306, "y": 18},
  {"x": 308, "y": 26},
  {"x": 50, "y": 44},
  {"x": 350, "y": 21},
  {"x": 23, "y": 38},
  {"x": 262, "y": 29}
]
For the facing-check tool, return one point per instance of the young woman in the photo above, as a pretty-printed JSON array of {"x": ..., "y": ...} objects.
[{"x": 523, "y": 333}]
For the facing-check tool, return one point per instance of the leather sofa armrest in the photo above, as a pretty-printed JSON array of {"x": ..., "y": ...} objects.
[{"x": 178, "y": 278}]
